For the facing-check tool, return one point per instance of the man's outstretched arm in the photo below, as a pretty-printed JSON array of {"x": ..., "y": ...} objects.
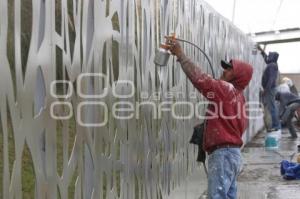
[
  {"x": 192, "y": 71},
  {"x": 212, "y": 89}
]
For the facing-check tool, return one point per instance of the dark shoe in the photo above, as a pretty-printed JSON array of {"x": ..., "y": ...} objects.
[
  {"x": 272, "y": 129},
  {"x": 293, "y": 133},
  {"x": 293, "y": 137}
]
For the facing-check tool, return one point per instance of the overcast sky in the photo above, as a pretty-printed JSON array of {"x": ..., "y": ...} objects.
[{"x": 263, "y": 15}]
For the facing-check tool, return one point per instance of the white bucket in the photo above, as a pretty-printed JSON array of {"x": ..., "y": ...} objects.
[
  {"x": 272, "y": 140},
  {"x": 275, "y": 134}
]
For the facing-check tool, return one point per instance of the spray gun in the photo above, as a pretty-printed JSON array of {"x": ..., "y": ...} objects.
[{"x": 162, "y": 54}]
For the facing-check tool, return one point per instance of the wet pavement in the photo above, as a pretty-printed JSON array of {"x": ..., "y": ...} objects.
[{"x": 260, "y": 176}]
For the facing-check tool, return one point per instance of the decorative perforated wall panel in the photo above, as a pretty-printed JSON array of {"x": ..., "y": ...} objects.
[{"x": 84, "y": 111}]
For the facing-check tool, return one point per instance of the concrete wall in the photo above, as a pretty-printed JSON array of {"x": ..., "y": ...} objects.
[{"x": 85, "y": 59}]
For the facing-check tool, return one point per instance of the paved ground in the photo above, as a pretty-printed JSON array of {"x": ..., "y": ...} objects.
[{"x": 260, "y": 177}]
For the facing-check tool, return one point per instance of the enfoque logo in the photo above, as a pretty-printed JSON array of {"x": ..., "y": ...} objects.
[{"x": 157, "y": 103}]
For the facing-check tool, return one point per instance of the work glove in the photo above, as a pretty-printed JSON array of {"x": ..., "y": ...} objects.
[{"x": 174, "y": 46}]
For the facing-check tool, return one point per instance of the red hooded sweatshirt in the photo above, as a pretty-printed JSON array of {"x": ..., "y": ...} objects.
[{"x": 226, "y": 115}]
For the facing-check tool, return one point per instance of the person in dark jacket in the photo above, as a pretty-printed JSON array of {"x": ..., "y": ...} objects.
[
  {"x": 293, "y": 90},
  {"x": 269, "y": 80},
  {"x": 289, "y": 103},
  {"x": 223, "y": 132}
]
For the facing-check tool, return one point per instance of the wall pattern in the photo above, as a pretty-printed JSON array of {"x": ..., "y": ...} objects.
[{"x": 69, "y": 67}]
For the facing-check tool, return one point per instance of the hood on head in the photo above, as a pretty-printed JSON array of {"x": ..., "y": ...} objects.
[
  {"x": 272, "y": 57},
  {"x": 242, "y": 74}
]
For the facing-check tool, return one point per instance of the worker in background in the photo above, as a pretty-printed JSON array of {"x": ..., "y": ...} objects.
[
  {"x": 290, "y": 84},
  {"x": 222, "y": 134},
  {"x": 283, "y": 87},
  {"x": 289, "y": 103},
  {"x": 269, "y": 79}
]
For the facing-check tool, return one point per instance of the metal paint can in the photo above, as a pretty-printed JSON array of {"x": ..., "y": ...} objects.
[{"x": 162, "y": 56}]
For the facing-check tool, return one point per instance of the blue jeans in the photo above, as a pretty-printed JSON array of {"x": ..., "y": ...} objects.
[
  {"x": 224, "y": 165},
  {"x": 269, "y": 101}
]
